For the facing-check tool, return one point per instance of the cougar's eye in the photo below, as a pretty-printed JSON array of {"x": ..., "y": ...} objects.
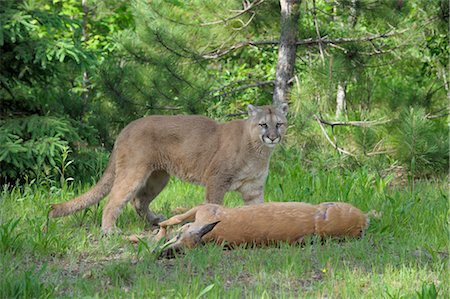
[
  {"x": 279, "y": 125},
  {"x": 263, "y": 126}
]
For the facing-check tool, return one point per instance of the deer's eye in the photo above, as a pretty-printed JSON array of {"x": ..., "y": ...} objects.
[{"x": 264, "y": 125}]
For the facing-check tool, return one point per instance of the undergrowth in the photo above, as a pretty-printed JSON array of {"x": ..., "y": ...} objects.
[{"x": 404, "y": 253}]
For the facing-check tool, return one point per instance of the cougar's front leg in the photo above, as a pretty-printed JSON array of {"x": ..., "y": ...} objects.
[
  {"x": 215, "y": 190},
  {"x": 252, "y": 194}
]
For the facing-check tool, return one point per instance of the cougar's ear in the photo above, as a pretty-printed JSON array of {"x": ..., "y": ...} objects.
[
  {"x": 205, "y": 229},
  {"x": 283, "y": 108},
  {"x": 252, "y": 110}
]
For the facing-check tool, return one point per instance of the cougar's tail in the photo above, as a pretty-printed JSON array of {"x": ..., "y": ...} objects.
[{"x": 93, "y": 196}]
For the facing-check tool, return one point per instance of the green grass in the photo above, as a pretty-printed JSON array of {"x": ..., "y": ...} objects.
[{"x": 404, "y": 253}]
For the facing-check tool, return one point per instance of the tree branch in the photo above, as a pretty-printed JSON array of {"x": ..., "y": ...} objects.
[
  {"x": 341, "y": 150},
  {"x": 439, "y": 113},
  {"x": 168, "y": 108},
  {"x": 256, "y": 84},
  {"x": 236, "y": 114},
  {"x": 240, "y": 13},
  {"x": 302, "y": 42},
  {"x": 353, "y": 123},
  {"x": 220, "y": 52},
  {"x": 318, "y": 32},
  {"x": 234, "y": 83}
]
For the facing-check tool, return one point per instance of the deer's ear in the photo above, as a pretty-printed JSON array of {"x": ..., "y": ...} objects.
[{"x": 205, "y": 229}]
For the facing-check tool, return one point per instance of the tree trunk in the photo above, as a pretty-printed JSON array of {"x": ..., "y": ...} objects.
[
  {"x": 353, "y": 14},
  {"x": 341, "y": 104},
  {"x": 290, "y": 12}
]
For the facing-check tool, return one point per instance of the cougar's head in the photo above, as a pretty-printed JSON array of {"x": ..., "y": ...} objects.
[{"x": 268, "y": 123}]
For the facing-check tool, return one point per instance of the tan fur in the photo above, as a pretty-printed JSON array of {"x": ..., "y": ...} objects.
[
  {"x": 221, "y": 156},
  {"x": 265, "y": 223}
]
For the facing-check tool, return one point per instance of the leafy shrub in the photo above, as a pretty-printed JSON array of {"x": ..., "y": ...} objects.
[
  {"x": 38, "y": 147},
  {"x": 420, "y": 144}
]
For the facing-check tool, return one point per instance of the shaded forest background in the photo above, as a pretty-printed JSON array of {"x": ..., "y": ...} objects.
[{"x": 370, "y": 86}]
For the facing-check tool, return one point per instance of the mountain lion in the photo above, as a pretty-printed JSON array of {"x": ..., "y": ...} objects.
[{"x": 231, "y": 156}]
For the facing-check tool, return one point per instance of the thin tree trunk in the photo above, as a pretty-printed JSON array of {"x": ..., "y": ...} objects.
[
  {"x": 341, "y": 101},
  {"x": 341, "y": 104},
  {"x": 446, "y": 84},
  {"x": 290, "y": 12},
  {"x": 353, "y": 14}
]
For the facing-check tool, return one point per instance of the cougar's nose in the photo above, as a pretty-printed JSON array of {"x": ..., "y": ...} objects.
[{"x": 272, "y": 137}]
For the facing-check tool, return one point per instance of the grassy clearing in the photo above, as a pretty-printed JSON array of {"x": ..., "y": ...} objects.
[{"x": 403, "y": 255}]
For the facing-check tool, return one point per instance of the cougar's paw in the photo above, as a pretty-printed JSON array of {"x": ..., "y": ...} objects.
[
  {"x": 159, "y": 218},
  {"x": 109, "y": 231},
  {"x": 170, "y": 253}
]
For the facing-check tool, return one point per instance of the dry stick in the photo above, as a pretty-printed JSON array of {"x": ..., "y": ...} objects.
[
  {"x": 329, "y": 139},
  {"x": 379, "y": 153},
  {"x": 236, "y": 114},
  {"x": 244, "y": 24},
  {"x": 354, "y": 123},
  {"x": 240, "y": 13},
  {"x": 433, "y": 116},
  {"x": 318, "y": 32}
]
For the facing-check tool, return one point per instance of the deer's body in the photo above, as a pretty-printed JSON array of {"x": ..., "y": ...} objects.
[{"x": 265, "y": 223}]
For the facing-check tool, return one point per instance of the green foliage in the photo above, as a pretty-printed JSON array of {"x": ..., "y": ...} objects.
[
  {"x": 29, "y": 146},
  {"x": 38, "y": 147},
  {"x": 102, "y": 64},
  {"x": 40, "y": 43},
  {"x": 27, "y": 284},
  {"x": 428, "y": 291},
  {"x": 403, "y": 253},
  {"x": 252, "y": 65},
  {"x": 366, "y": 139},
  {"x": 420, "y": 144},
  {"x": 71, "y": 77},
  {"x": 9, "y": 237}
]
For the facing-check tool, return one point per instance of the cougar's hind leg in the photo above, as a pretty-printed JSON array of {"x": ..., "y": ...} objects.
[
  {"x": 126, "y": 185},
  {"x": 153, "y": 186}
]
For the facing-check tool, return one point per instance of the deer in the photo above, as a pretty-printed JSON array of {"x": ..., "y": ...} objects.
[{"x": 261, "y": 224}]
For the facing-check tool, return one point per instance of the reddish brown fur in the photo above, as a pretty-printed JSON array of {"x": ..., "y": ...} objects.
[{"x": 267, "y": 223}]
